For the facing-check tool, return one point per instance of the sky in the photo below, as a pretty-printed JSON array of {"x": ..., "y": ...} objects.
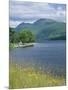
[{"x": 29, "y": 12}]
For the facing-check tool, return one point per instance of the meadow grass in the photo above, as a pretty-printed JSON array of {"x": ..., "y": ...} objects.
[{"x": 30, "y": 78}]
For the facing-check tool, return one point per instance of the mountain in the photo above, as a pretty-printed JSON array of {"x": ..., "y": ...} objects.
[{"x": 45, "y": 29}]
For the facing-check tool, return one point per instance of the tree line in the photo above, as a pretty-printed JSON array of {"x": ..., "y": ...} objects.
[{"x": 24, "y": 36}]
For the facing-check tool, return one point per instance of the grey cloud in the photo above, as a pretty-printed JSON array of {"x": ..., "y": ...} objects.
[{"x": 31, "y": 11}]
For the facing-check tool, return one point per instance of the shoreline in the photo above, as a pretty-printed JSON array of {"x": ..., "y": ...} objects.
[
  {"x": 25, "y": 45},
  {"x": 16, "y": 45},
  {"x": 12, "y": 45}
]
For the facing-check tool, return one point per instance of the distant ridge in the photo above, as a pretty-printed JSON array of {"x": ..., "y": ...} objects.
[{"x": 45, "y": 29}]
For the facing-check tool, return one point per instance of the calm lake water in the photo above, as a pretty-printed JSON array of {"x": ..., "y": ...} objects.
[{"x": 48, "y": 56}]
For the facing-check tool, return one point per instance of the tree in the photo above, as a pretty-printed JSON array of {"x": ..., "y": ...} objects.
[
  {"x": 13, "y": 36},
  {"x": 26, "y": 36}
]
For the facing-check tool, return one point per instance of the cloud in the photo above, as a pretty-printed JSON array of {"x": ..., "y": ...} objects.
[
  {"x": 31, "y": 11},
  {"x": 14, "y": 23}
]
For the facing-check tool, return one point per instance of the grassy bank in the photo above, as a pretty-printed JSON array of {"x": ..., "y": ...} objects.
[
  {"x": 12, "y": 45},
  {"x": 29, "y": 77}
]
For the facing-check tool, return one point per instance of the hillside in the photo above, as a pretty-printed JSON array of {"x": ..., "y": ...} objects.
[{"x": 45, "y": 29}]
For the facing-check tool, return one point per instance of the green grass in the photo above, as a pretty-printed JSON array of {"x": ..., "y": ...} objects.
[
  {"x": 30, "y": 78},
  {"x": 12, "y": 45}
]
